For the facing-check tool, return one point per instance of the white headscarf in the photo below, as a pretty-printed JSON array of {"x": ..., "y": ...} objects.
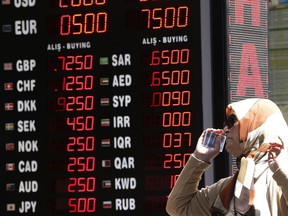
[{"x": 260, "y": 123}]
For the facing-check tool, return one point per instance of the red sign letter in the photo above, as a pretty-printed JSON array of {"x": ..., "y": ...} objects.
[
  {"x": 239, "y": 11},
  {"x": 249, "y": 58}
]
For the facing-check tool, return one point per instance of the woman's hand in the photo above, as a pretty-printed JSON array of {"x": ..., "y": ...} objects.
[
  {"x": 207, "y": 153},
  {"x": 277, "y": 156}
]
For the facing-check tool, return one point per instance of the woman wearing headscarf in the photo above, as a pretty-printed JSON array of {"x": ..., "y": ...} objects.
[{"x": 257, "y": 135}]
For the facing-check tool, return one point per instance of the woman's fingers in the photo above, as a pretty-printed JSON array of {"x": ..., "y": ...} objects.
[{"x": 281, "y": 141}]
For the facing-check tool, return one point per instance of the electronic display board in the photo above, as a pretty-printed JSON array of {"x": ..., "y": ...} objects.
[
  {"x": 247, "y": 51},
  {"x": 100, "y": 101}
]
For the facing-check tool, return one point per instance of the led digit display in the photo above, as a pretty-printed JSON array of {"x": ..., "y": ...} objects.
[
  {"x": 80, "y": 144},
  {"x": 170, "y": 17},
  {"x": 71, "y": 83},
  {"x": 82, "y": 184},
  {"x": 72, "y": 103},
  {"x": 88, "y": 23},
  {"x": 166, "y": 78},
  {"x": 81, "y": 164},
  {"x": 169, "y": 57},
  {"x": 80, "y": 3},
  {"x": 106, "y": 104},
  {"x": 80, "y": 123},
  {"x": 175, "y": 98},
  {"x": 166, "y": 161},
  {"x": 82, "y": 205},
  {"x": 176, "y": 140},
  {"x": 78, "y": 62}
]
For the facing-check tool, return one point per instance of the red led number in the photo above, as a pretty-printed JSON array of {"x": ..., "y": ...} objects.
[
  {"x": 79, "y": 3},
  {"x": 81, "y": 123},
  {"x": 173, "y": 179},
  {"x": 175, "y": 98},
  {"x": 170, "y": 17},
  {"x": 176, "y": 119},
  {"x": 81, "y": 164},
  {"x": 72, "y": 103},
  {"x": 78, "y": 83},
  {"x": 81, "y": 205},
  {"x": 78, "y": 62},
  {"x": 82, "y": 184},
  {"x": 176, "y": 140},
  {"x": 170, "y": 57},
  {"x": 166, "y": 78},
  {"x": 79, "y": 144},
  {"x": 89, "y": 23},
  {"x": 175, "y": 161}
]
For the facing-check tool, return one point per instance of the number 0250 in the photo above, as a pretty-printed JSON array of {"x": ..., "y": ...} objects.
[{"x": 175, "y": 160}]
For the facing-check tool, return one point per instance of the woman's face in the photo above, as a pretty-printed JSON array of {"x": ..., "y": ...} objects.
[{"x": 233, "y": 145}]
